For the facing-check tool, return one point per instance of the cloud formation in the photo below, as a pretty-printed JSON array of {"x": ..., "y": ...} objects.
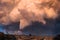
[{"x": 29, "y": 11}]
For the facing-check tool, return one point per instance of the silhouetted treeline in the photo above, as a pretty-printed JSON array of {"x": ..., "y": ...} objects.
[
  {"x": 27, "y": 37},
  {"x": 57, "y": 37},
  {"x": 6, "y": 37}
]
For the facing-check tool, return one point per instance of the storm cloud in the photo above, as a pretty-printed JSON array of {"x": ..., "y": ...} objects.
[{"x": 29, "y": 11}]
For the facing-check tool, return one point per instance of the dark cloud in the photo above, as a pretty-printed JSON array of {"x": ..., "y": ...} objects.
[
  {"x": 51, "y": 28},
  {"x": 39, "y": 29},
  {"x": 12, "y": 26}
]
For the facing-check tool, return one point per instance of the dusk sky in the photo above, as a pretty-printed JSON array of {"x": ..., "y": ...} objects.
[{"x": 36, "y": 17}]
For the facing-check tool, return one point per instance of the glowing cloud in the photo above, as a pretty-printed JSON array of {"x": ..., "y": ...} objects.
[{"x": 28, "y": 11}]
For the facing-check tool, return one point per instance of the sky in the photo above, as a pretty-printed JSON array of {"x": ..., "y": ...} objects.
[
  {"x": 1, "y": 28},
  {"x": 32, "y": 14}
]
